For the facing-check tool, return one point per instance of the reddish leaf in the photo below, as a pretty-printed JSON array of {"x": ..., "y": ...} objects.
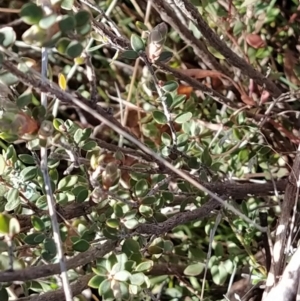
[{"x": 255, "y": 41}]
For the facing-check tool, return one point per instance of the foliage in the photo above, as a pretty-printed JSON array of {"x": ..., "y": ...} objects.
[{"x": 129, "y": 220}]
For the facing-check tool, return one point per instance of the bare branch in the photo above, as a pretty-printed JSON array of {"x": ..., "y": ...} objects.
[
  {"x": 177, "y": 219},
  {"x": 76, "y": 287},
  {"x": 287, "y": 287},
  {"x": 279, "y": 254},
  {"x": 52, "y": 269}
]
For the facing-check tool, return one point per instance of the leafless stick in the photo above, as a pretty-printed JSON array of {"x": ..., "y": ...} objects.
[
  {"x": 90, "y": 73},
  {"x": 76, "y": 287},
  {"x": 287, "y": 287},
  {"x": 177, "y": 219},
  {"x": 211, "y": 238},
  {"x": 162, "y": 99},
  {"x": 279, "y": 257},
  {"x": 49, "y": 194},
  {"x": 104, "y": 15},
  {"x": 52, "y": 269}
]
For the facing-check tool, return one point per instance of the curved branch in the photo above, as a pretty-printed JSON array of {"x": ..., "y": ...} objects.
[
  {"x": 52, "y": 269},
  {"x": 178, "y": 219}
]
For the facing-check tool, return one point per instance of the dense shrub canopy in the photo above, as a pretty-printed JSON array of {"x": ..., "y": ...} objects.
[{"x": 149, "y": 150}]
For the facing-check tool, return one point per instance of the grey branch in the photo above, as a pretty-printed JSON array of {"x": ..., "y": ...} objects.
[
  {"x": 178, "y": 219},
  {"x": 52, "y": 269},
  {"x": 76, "y": 287},
  {"x": 287, "y": 287}
]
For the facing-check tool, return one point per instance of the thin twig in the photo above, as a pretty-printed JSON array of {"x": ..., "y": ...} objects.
[
  {"x": 211, "y": 238},
  {"x": 162, "y": 98},
  {"x": 49, "y": 194},
  {"x": 91, "y": 75}
]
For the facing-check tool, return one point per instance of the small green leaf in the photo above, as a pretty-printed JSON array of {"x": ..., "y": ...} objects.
[
  {"x": 2, "y": 165},
  {"x": 110, "y": 233},
  {"x": 168, "y": 246},
  {"x": 90, "y": 145},
  {"x": 184, "y": 117},
  {"x": 25, "y": 99},
  {"x": 3, "y": 294},
  {"x": 118, "y": 210},
  {"x": 100, "y": 270},
  {"x": 130, "y": 55},
  {"x": 8, "y": 78},
  {"x": 104, "y": 287},
  {"x": 155, "y": 250},
  {"x": 219, "y": 273},
  {"x": 67, "y": 4},
  {"x": 14, "y": 227},
  {"x": 159, "y": 117},
  {"x": 7, "y": 36},
  {"x": 149, "y": 200},
  {"x": 41, "y": 203},
  {"x": 47, "y": 21},
  {"x": 34, "y": 238},
  {"x": 62, "y": 45},
  {"x": 137, "y": 43},
  {"x": 166, "y": 139},
  {"x": 4, "y": 223},
  {"x": 50, "y": 246},
  {"x": 144, "y": 266},
  {"x": 13, "y": 199},
  {"x": 67, "y": 23},
  {"x": 141, "y": 25},
  {"x": 28, "y": 173},
  {"x": 84, "y": 30},
  {"x": 137, "y": 279},
  {"x": 81, "y": 245},
  {"x": 67, "y": 182},
  {"x": 81, "y": 193},
  {"x": 113, "y": 223},
  {"x": 130, "y": 246},
  {"x": 74, "y": 49},
  {"x": 82, "y": 18},
  {"x": 141, "y": 188},
  {"x": 131, "y": 224},
  {"x": 206, "y": 157},
  {"x": 37, "y": 223},
  {"x": 165, "y": 56},
  {"x": 194, "y": 269},
  {"x": 122, "y": 275},
  {"x": 1, "y": 58},
  {"x": 96, "y": 281},
  {"x": 31, "y": 13},
  {"x": 146, "y": 211},
  {"x": 170, "y": 86}
]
